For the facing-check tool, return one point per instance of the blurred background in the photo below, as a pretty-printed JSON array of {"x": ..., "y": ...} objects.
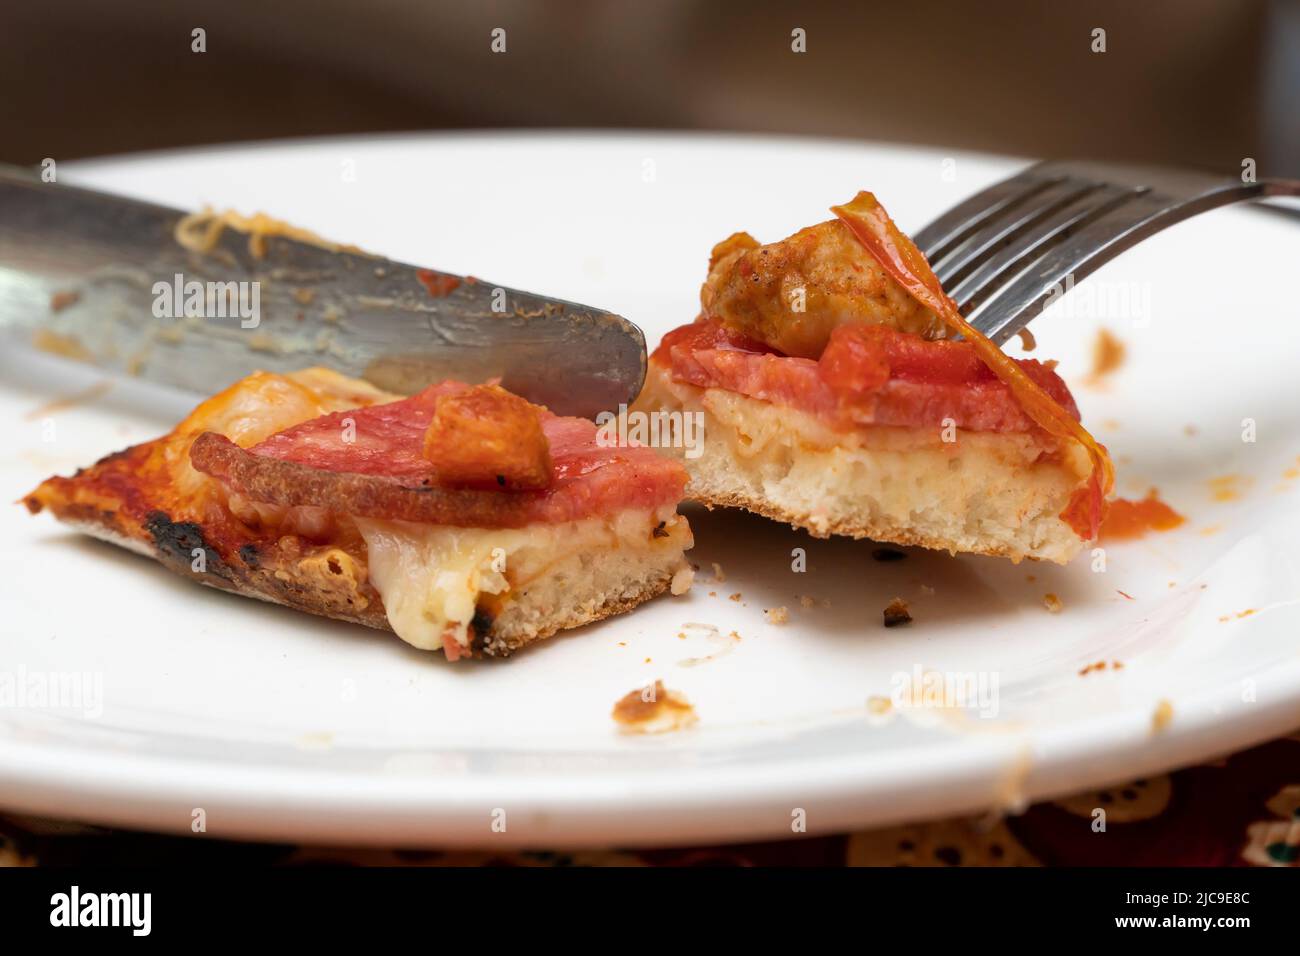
[{"x": 1187, "y": 82}]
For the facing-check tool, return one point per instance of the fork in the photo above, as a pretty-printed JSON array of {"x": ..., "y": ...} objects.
[{"x": 1002, "y": 253}]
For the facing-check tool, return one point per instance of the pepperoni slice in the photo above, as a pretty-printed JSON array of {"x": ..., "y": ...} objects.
[
  {"x": 867, "y": 375},
  {"x": 370, "y": 462}
]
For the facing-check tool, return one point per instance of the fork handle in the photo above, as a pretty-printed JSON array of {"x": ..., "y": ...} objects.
[{"x": 1280, "y": 187}]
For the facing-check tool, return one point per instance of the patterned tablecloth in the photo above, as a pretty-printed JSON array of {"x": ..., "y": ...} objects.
[{"x": 1240, "y": 811}]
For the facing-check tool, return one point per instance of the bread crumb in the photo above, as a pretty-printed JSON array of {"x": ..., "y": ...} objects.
[
  {"x": 1100, "y": 666},
  {"x": 67, "y": 346},
  {"x": 879, "y": 706},
  {"x": 682, "y": 581},
  {"x": 1052, "y": 603},
  {"x": 896, "y": 613},
  {"x": 1238, "y": 616},
  {"x": 62, "y": 300},
  {"x": 1163, "y": 714},
  {"x": 717, "y": 573},
  {"x": 1027, "y": 340},
  {"x": 735, "y": 597},
  {"x": 806, "y": 602},
  {"x": 778, "y": 615}
]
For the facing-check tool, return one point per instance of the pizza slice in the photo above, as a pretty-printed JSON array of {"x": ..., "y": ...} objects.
[
  {"x": 834, "y": 395},
  {"x": 462, "y": 518}
]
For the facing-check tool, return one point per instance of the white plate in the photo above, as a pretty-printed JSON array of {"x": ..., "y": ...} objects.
[{"x": 283, "y": 726}]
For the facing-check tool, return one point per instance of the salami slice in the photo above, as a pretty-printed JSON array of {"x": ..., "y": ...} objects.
[
  {"x": 867, "y": 375},
  {"x": 370, "y": 462}
]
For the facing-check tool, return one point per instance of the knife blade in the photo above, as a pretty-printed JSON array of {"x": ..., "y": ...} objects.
[{"x": 103, "y": 279}]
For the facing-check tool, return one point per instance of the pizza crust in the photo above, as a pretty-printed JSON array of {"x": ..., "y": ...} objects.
[{"x": 579, "y": 590}]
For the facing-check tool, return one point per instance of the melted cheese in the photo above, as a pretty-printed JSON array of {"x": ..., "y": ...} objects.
[
  {"x": 264, "y": 403},
  {"x": 260, "y": 405},
  {"x": 431, "y": 577},
  {"x": 201, "y": 231}
]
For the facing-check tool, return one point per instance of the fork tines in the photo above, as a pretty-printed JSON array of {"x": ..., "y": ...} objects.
[{"x": 1002, "y": 252}]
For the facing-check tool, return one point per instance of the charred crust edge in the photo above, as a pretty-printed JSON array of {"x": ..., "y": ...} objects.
[
  {"x": 480, "y": 628},
  {"x": 175, "y": 542}
]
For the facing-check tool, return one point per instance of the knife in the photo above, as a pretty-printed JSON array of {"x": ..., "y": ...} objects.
[{"x": 103, "y": 279}]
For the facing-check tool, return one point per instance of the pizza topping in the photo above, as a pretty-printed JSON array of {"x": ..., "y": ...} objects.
[
  {"x": 486, "y": 437},
  {"x": 370, "y": 462},
  {"x": 385, "y": 439},
  {"x": 794, "y": 293},
  {"x": 201, "y": 231},
  {"x": 867, "y": 375},
  {"x": 437, "y": 284},
  {"x": 868, "y": 222}
]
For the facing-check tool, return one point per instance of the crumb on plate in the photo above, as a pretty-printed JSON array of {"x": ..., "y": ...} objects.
[
  {"x": 896, "y": 613},
  {"x": 682, "y": 581},
  {"x": 1107, "y": 356},
  {"x": 653, "y": 709},
  {"x": 62, "y": 300},
  {"x": 1162, "y": 715}
]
